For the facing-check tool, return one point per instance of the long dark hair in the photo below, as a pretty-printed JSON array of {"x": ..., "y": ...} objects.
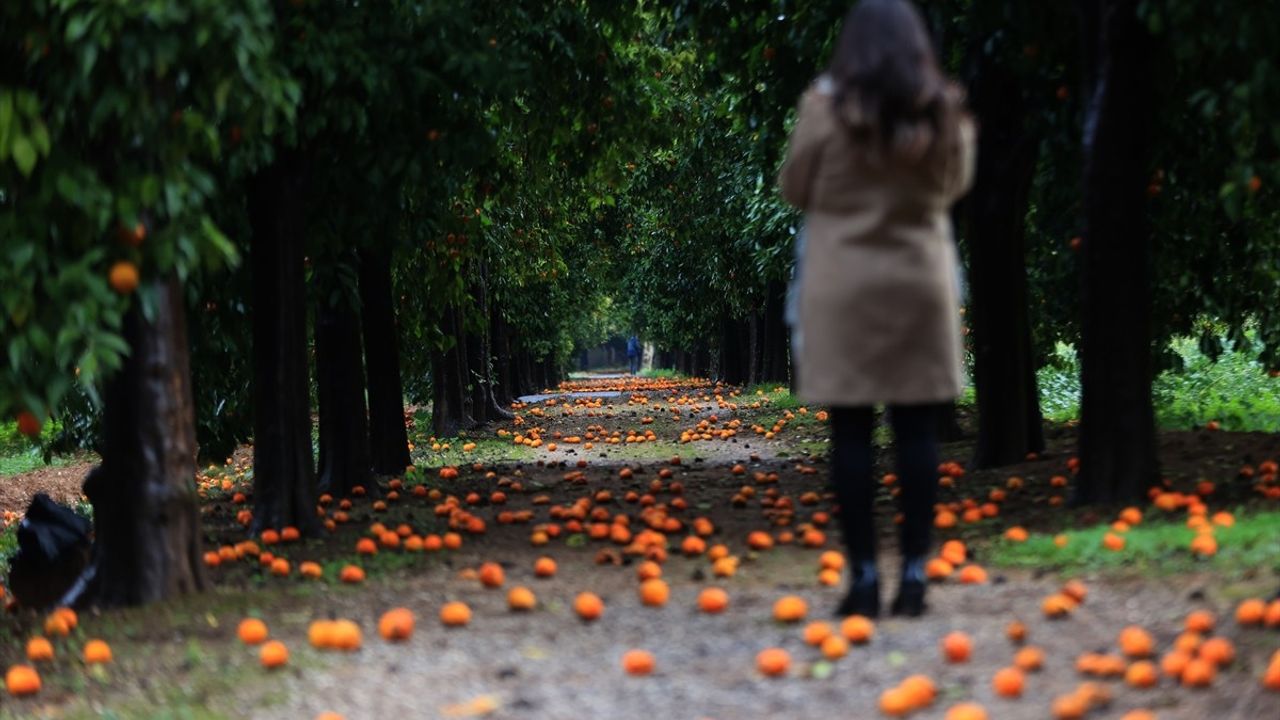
[{"x": 888, "y": 88}]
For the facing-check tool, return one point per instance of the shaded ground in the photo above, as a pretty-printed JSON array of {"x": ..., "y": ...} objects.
[
  {"x": 61, "y": 482},
  {"x": 182, "y": 660}
]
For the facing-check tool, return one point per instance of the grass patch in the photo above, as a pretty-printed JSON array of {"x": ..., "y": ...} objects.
[
  {"x": 1155, "y": 547},
  {"x": 662, "y": 373},
  {"x": 778, "y": 396},
  {"x": 18, "y": 454},
  {"x": 488, "y": 450}
]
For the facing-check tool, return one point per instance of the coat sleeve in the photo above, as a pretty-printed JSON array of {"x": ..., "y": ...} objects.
[
  {"x": 960, "y": 166},
  {"x": 803, "y": 151}
]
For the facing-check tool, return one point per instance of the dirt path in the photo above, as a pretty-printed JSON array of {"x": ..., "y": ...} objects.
[{"x": 549, "y": 664}]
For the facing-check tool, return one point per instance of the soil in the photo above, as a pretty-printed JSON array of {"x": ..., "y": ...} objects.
[
  {"x": 549, "y": 664},
  {"x": 61, "y": 482}
]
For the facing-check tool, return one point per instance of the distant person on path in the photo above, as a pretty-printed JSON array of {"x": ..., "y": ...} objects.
[
  {"x": 633, "y": 355},
  {"x": 882, "y": 148}
]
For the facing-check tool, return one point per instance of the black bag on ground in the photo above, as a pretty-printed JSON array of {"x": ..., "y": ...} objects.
[{"x": 53, "y": 548}]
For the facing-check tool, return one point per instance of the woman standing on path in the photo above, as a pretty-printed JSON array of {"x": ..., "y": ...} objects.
[{"x": 882, "y": 148}]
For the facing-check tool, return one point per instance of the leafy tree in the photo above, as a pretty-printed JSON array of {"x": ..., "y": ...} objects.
[{"x": 112, "y": 119}]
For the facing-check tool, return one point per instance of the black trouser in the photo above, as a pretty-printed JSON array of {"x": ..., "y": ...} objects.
[{"x": 915, "y": 438}]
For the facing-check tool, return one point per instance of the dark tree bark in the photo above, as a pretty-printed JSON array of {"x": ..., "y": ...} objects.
[
  {"x": 284, "y": 489},
  {"x": 701, "y": 362},
  {"x": 145, "y": 507},
  {"x": 484, "y": 367},
  {"x": 754, "y": 348},
  {"x": 477, "y": 385},
  {"x": 1009, "y": 424},
  {"x": 551, "y": 371},
  {"x": 1117, "y": 426},
  {"x": 776, "y": 339},
  {"x": 344, "y": 431},
  {"x": 733, "y": 359},
  {"x": 388, "y": 439},
  {"x": 451, "y": 411},
  {"x": 503, "y": 389}
]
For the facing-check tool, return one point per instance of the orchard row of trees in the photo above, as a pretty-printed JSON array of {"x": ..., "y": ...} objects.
[
  {"x": 220, "y": 216},
  {"x": 1124, "y": 195}
]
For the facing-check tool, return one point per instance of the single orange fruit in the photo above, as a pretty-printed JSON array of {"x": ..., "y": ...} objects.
[
  {"x": 773, "y": 662},
  {"x": 835, "y": 647},
  {"x": 521, "y": 599},
  {"x": 273, "y": 654},
  {"x": 790, "y": 608},
  {"x": 1200, "y": 621},
  {"x": 1029, "y": 659},
  {"x": 345, "y": 635},
  {"x": 491, "y": 575},
  {"x": 544, "y": 567},
  {"x": 920, "y": 691},
  {"x": 654, "y": 592},
  {"x": 816, "y": 632},
  {"x": 455, "y": 614},
  {"x": 22, "y": 680},
  {"x": 648, "y": 570},
  {"x": 252, "y": 631},
  {"x": 39, "y": 649},
  {"x": 957, "y": 647},
  {"x": 857, "y": 629},
  {"x": 1136, "y": 642},
  {"x": 713, "y": 600},
  {"x": 589, "y": 606},
  {"x": 1016, "y": 631},
  {"x": 97, "y": 652},
  {"x": 1008, "y": 682},
  {"x": 896, "y": 702},
  {"x": 637, "y": 662},
  {"x": 1218, "y": 650},
  {"x": 1141, "y": 674},
  {"x": 1251, "y": 612},
  {"x": 396, "y": 625},
  {"x": 123, "y": 277}
]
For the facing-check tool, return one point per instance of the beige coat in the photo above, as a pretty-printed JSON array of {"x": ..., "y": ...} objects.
[{"x": 879, "y": 296}]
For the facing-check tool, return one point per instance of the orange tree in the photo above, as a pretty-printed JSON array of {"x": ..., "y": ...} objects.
[
  {"x": 502, "y": 265},
  {"x": 113, "y": 120},
  {"x": 389, "y": 127},
  {"x": 1179, "y": 223}
]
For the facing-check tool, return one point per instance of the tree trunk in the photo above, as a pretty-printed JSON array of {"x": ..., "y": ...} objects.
[
  {"x": 1008, "y": 401},
  {"x": 1117, "y": 427},
  {"x": 388, "y": 439},
  {"x": 777, "y": 339},
  {"x": 344, "y": 432},
  {"x": 284, "y": 489},
  {"x": 145, "y": 507},
  {"x": 477, "y": 377},
  {"x": 450, "y": 412},
  {"x": 502, "y": 361},
  {"x": 753, "y": 349}
]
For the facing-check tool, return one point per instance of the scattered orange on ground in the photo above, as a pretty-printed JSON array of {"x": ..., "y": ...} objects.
[
  {"x": 396, "y": 624},
  {"x": 773, "y": 662},
  {"x": 638, "y": 662},
  {"x": 252, "y": 631},
  {"x": 273, "y": 654}
]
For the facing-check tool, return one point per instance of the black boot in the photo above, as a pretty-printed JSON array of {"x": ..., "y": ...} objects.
[
  {"x": 863, "y": 597},
  {"x": 910, "y": 599}
]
